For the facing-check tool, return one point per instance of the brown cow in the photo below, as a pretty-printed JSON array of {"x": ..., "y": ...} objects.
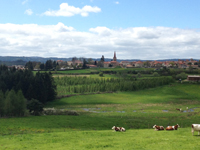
[
  {"x": 157, "y": 128},
  {"x": 172, "y": 127},
  {"x": 118, "y": 128}
]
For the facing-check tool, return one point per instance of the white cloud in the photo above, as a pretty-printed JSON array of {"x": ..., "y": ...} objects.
[
  {"x": 68, "y": 11},
  {"x": 24, "y": 2},
  {"x": 116, "y": 2},
  {"x": 132, "y": 43},
  {"x": 28, "y": 12}
]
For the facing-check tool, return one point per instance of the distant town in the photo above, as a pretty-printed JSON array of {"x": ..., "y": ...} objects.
[{"x": 78, "y": 63}]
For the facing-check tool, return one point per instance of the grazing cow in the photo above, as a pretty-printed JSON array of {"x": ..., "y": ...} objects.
[
  {"x": 179, "y": 109},
  {"x": 121, "y": 129},
  {"x": 195, "y": 127},
  {"x": 157, "y": 128},
  {"x": 172, "y": 127}
]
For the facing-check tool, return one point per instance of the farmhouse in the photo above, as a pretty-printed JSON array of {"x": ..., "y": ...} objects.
[{"x": 193, "y": 78}]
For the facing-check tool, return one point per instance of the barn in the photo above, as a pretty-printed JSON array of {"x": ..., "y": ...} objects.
[{"x": 193, "y": 78}]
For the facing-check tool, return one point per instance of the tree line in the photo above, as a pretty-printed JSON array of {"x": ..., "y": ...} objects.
[{"x": 40, "y": 86}]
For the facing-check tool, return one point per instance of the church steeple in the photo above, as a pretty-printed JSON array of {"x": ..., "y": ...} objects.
[{"x": 114, "y": 58}]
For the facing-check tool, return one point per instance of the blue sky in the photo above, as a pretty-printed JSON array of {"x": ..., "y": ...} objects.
[{"x": 135, "y": 29}]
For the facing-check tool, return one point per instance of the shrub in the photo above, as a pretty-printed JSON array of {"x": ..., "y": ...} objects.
[
  {"x": 101, "y": 74},
  {"x": 53, "y": 111},
  {"x": 155, "y": 74},
  {"x": 35, "y": 107},
  {"x": 181, "y": 76}
]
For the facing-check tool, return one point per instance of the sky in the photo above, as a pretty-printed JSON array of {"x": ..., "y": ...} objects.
[{"x": 134, "y": 29}]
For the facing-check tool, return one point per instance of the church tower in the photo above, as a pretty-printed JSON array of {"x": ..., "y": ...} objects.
[{"x": 114, "y": 58}]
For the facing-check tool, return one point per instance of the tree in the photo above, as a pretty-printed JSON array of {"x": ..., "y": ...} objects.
[
  {"x": 49, "y": 65},
  {"x": 95, "y": 62},
  {"x": 35, "y": 107},
  {"x": 181, "y": 76},
  {"x": 42, "y": 66},
  {"x": 29, "y": 65},
  {"x": 9, "y": 103},
  {"x": 54, "y": 65},
  {"x": 84, "y": 64},
  {"x": 1, "y": 103},
  {"x": 21, "y": 104}
]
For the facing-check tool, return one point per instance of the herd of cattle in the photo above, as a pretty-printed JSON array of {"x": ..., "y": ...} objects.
[{"x": 195, "y": 127}]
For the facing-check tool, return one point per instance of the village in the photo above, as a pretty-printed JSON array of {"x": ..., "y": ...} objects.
[
  {"x": 190, "y": 63},
  {"x": 90, "y": 63}
]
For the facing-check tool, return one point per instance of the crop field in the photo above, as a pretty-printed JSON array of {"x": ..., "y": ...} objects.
[{"x": 137, "y": 111}]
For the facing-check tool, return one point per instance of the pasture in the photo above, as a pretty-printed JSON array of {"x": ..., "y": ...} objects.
[{"x": 137, "y": 111}]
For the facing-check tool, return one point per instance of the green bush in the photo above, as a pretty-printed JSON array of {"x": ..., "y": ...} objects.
[
  {"x": 101, "y": 74},
  {"x": 181, "y": 76},
  {"x": 35, "y": 107},
  {"x": 155, "y": 74}
]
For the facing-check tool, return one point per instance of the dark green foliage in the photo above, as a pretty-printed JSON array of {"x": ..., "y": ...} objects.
[
  {"x": 155, "y": 74},
  {"x": 101, "y": 74},
  {"x": 181, "y": 76},
  {"x": 84, "y": 64},
  {"x": 49, "y": 65},
  {"x": 40, "y": 86},
  {"x": 29, "y": 65},
  {"x": 1, "y": 103},
  {"x": 12, "y": 104},
  {"x": 42, "y": 66},
  {"x": 35, "y": 107}
]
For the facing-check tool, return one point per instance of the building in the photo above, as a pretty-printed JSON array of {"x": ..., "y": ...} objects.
[
  {"x": 114, "y": 58},
  {"x": 124, "y": 63},
  {"x": 106, "y": 64},
  {"x": 193, "y": 78}
]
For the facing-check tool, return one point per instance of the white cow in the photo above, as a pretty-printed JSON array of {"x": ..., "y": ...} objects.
[{"x": 195, "y": 127}]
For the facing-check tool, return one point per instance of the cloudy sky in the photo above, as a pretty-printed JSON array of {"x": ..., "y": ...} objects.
[{"x": 135, "y": 29}]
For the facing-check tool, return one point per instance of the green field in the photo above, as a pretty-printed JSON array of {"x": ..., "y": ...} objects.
[{"x": 137, "y": 111}]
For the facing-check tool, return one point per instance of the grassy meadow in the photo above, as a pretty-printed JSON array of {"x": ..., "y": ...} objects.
[{"x": 137, "y": 111}]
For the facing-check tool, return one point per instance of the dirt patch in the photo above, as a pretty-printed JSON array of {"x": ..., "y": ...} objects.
[{"x": 60, "y": 76}]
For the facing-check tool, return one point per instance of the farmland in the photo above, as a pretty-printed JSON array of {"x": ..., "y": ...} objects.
[{"x": 136, "y": 110}]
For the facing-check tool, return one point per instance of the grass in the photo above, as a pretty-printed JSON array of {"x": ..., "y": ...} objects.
[
  {"x": 131, "y": 139},
  {"x": 137, "y": 111}
]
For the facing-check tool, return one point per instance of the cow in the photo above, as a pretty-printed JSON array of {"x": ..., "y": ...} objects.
[
  {"x": 157, "y": 128},
  {"x": 195, "y": 127},
  {"x": 120, "y": 129},
  {"x": 179, "y": 109},
  {"x": 172, "y": 127}
]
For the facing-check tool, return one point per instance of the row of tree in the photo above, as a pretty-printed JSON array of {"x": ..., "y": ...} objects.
[
  {"x": 48, "y": 65},
  {"x": 110, "y": 85}
]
